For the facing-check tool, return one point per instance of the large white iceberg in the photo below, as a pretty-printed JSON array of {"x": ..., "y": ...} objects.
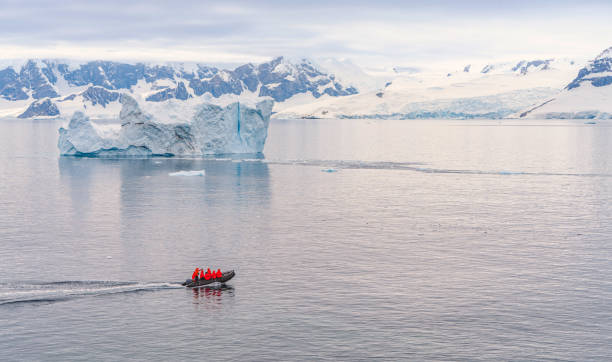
[{"x": 210, "y": 130}]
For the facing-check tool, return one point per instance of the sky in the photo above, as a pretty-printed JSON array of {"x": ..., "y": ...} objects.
[{"x": 369, "y": 33}]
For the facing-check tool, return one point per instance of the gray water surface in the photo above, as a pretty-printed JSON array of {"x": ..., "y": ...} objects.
[{"x": 426, "y": 240}]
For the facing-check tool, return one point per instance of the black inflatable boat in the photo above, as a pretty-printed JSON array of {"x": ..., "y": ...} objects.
[{"x": 190, "y": 283}]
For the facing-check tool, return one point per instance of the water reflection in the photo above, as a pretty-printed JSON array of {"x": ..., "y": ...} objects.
[
  {"x": 166, "y": 221},
  {"x": 212, "y": 295},
  {"x": 159, "y": 211},
  {"x": 91, "y": 193},
  {"x": 158, "y": 222},
  {"x": 82, "y": 177}
]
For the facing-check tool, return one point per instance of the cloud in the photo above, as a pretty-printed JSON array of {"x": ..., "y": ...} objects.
[{"x": 390, "y": 32}]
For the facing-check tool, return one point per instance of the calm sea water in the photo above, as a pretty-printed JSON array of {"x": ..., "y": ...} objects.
[{"x": 351, "y": 240}]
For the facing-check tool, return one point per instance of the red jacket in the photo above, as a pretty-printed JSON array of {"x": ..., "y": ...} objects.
[
  {"x": 195, "y": 274},
  {"x": 208, "y": 274}
]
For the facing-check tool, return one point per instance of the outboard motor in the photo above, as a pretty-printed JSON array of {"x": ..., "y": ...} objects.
[{"x": 188, "y": 281}]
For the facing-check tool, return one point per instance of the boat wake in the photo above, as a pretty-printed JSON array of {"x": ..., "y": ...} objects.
[
  {"x": 51, "y": 292},
  {"x": 415, "y": 167}
]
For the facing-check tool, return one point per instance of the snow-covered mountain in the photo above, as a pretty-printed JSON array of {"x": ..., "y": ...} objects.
[
  {"x": 589, "y": 95},
  {"x": 469, "y": 91},
  {"x": 301, "y": 88},
  {"x": 48, "y": 88}
]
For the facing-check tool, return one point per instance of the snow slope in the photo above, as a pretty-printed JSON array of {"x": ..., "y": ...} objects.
[
  {"x": 475, "y": 90},
  {"x": 589, "y": 95}
]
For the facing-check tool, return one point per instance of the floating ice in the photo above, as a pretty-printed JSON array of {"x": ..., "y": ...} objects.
[
  {"x": 188, "y": 173},
  {"x": 211, "y": 130}
]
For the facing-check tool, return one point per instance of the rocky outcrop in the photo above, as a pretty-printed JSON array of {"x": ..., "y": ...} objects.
[
  {"x": 598, "y": 72},
  {"x": 42, "y": 108}
]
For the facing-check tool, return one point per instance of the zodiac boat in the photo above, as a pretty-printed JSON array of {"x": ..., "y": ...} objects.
[{"x": 190, "y": 283}]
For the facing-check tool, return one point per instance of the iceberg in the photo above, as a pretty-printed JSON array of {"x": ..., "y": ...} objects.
[
  {"x": 188, "y": 173},
  {"x": 211, "y": 129}
]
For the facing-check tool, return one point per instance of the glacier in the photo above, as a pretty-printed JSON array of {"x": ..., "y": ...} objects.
[
  {"x": 472, "y": 91},
  {"x": 206, "y": 129}
]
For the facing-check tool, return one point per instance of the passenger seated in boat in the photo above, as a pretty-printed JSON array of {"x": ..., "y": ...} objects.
[
  {"x": 208, "y": 274},
  {"x": 194, "y": 276},
  {"x": 199, "y": 274}
]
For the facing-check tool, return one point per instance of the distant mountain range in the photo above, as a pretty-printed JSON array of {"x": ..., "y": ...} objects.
[
  {"x": 40, "y": 87},
  {"x": 326, "y": 88}
]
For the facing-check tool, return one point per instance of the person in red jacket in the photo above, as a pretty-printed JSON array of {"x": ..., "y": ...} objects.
[
  {"x": 208, "y": 274},
  {"x": 201, "y": 273},
  {"x": 194, "y": 276}
]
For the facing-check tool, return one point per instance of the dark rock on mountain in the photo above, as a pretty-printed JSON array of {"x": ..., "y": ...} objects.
[
  {"x": 99, "y": 95},
  {"x": 286, "y": 82},
  {"x": 523, "y": 66},
  {"x": 41, "y": 108},
  {"x": 180, "y": 92},
  {"x": 216, "y": 86},
  {"x": 487, "y": 68},
  {"x": 151, "y": 74},
  {"x": 592, "y": 71},
  {"x": 11, "y": 87},
  {"x": 32, "y": 78},
  {"x": 246, "y": 73},
  {"x": 110, "y": 75},
  {"x": 48, "y": 71}
]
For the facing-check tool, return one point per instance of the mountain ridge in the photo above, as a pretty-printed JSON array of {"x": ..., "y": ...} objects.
[
  {"x": 304, "y": 88},
  {"x": 98, "y": 83}
]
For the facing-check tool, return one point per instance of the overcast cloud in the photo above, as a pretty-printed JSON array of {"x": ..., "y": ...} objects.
[{"x": 376, "y": 33}]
